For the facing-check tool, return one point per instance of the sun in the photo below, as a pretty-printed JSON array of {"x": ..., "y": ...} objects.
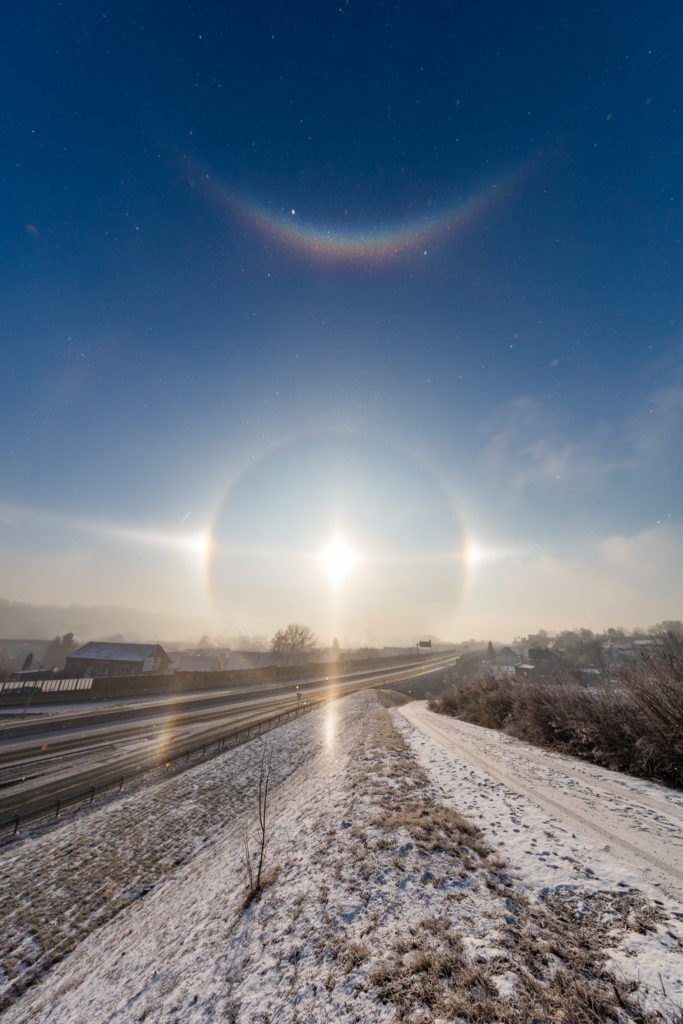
[
  {"x": 474, "y": 555},
  {"x": 337, "y": 559}
]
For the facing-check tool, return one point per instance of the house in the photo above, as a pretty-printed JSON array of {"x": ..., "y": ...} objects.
[
  {"x": 619, "y": 654},
  {"x": 197, "y": 661},
  {"x": 507, "y": 657},
  {"x": 112, "y": 659},
  {"x": 537, "y": 654},
  {"x": 237, "y": 660},
  {"x": 588, "y": 675}
]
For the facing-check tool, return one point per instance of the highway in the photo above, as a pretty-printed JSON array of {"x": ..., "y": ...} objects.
[{"x": 55, "y": 756}]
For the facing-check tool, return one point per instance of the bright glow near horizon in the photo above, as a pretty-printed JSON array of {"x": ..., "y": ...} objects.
[
  {"x": 338, "y": 559},
  {"x": 346, "y": 514},
  {"x": 475, "y": 555}
]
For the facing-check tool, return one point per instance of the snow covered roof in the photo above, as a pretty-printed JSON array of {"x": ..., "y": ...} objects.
[{"x": 97, "y": 651}]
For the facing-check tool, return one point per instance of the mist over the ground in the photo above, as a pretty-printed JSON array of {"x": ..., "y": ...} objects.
[{"x": 42, "y": 622}]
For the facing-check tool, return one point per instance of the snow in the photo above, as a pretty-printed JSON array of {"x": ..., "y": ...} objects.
[
  {"x": 508, "y": 787},
  {"x": 638, "y": 821},
  {"x": 370, "y": 871}
]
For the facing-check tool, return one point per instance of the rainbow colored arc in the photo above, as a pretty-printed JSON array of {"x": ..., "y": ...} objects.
[{"x": 379, "y": 244}]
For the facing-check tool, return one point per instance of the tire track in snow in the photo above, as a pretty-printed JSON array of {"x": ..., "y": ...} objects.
[{"x": 627, "y": 814}]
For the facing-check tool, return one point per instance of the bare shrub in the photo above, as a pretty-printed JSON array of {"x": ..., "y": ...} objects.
[
  {"x": 488, "y": 701},
  {"x": 633, "y": 723},
  {"x": 655, "y": 689}
]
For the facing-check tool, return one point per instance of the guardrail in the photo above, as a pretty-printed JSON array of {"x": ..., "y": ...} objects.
[{"x": 219, "y": 744}]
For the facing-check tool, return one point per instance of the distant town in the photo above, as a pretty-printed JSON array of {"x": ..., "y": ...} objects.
[{"x": 50, "y": 664}]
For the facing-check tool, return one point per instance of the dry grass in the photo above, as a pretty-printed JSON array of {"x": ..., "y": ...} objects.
[
  {"x": 434, "y": 827},
  {"x": 556, "y": 955},
  {"x": 355, "y": 954},
  {"x": 552, "y": 956},
  {"x": 392, "y": 698}
]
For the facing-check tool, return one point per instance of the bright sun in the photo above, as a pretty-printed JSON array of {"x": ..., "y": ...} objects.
[{"x": 337, "y": 560}]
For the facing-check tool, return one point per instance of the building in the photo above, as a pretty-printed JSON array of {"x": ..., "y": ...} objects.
[
  {"x": 507, "y": 658},
  {"x": 237, "y": 660},
  {"x": 111, "y": 659},
  {"x": 197, "y": 661},
  {"x": 537, "y": 654}
]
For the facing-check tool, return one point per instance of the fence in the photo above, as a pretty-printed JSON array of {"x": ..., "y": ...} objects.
[
  {"x": 22, "y": 686},
  {"x": 116, "y": 781},
  {"x": 124, "y": 687}
]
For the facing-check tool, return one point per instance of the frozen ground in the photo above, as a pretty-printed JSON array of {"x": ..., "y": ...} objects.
[
  {"x": 639, "y": 822},
  {"x": 398, "y": 888},
  {"x": 56, "y": 887},
  {"x": 567, "y": 826}
]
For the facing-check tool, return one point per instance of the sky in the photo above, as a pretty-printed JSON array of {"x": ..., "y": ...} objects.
[{"x": 360, "y": 315}]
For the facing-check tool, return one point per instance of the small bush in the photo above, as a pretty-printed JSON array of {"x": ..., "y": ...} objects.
[
  {"x": 633, "y": 723},
  {"x": 487, "y": 702}
]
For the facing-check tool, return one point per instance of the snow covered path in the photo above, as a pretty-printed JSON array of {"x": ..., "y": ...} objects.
[{"x": 636, "y": 821}]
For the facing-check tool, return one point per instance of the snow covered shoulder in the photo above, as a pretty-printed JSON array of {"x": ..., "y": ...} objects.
[{"x": 384, "y": 898}]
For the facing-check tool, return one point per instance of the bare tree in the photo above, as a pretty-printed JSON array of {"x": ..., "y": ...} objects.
[
  {"x": 255, "y": 863},
  {"x": 294, "y": 645}
]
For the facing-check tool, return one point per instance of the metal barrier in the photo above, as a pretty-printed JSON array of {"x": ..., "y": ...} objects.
[
  {"x": 54, "y": 807},
  {"x": 54, "y": 685}
]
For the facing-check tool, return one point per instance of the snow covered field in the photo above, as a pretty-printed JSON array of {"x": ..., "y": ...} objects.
[{"x": 405, "y": 882}]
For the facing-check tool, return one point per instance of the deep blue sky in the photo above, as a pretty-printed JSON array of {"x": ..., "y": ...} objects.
[{"x": 163, "y": 331}]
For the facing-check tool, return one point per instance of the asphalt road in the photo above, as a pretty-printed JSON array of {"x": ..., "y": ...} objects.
[{"x": 56, "y": 756}]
